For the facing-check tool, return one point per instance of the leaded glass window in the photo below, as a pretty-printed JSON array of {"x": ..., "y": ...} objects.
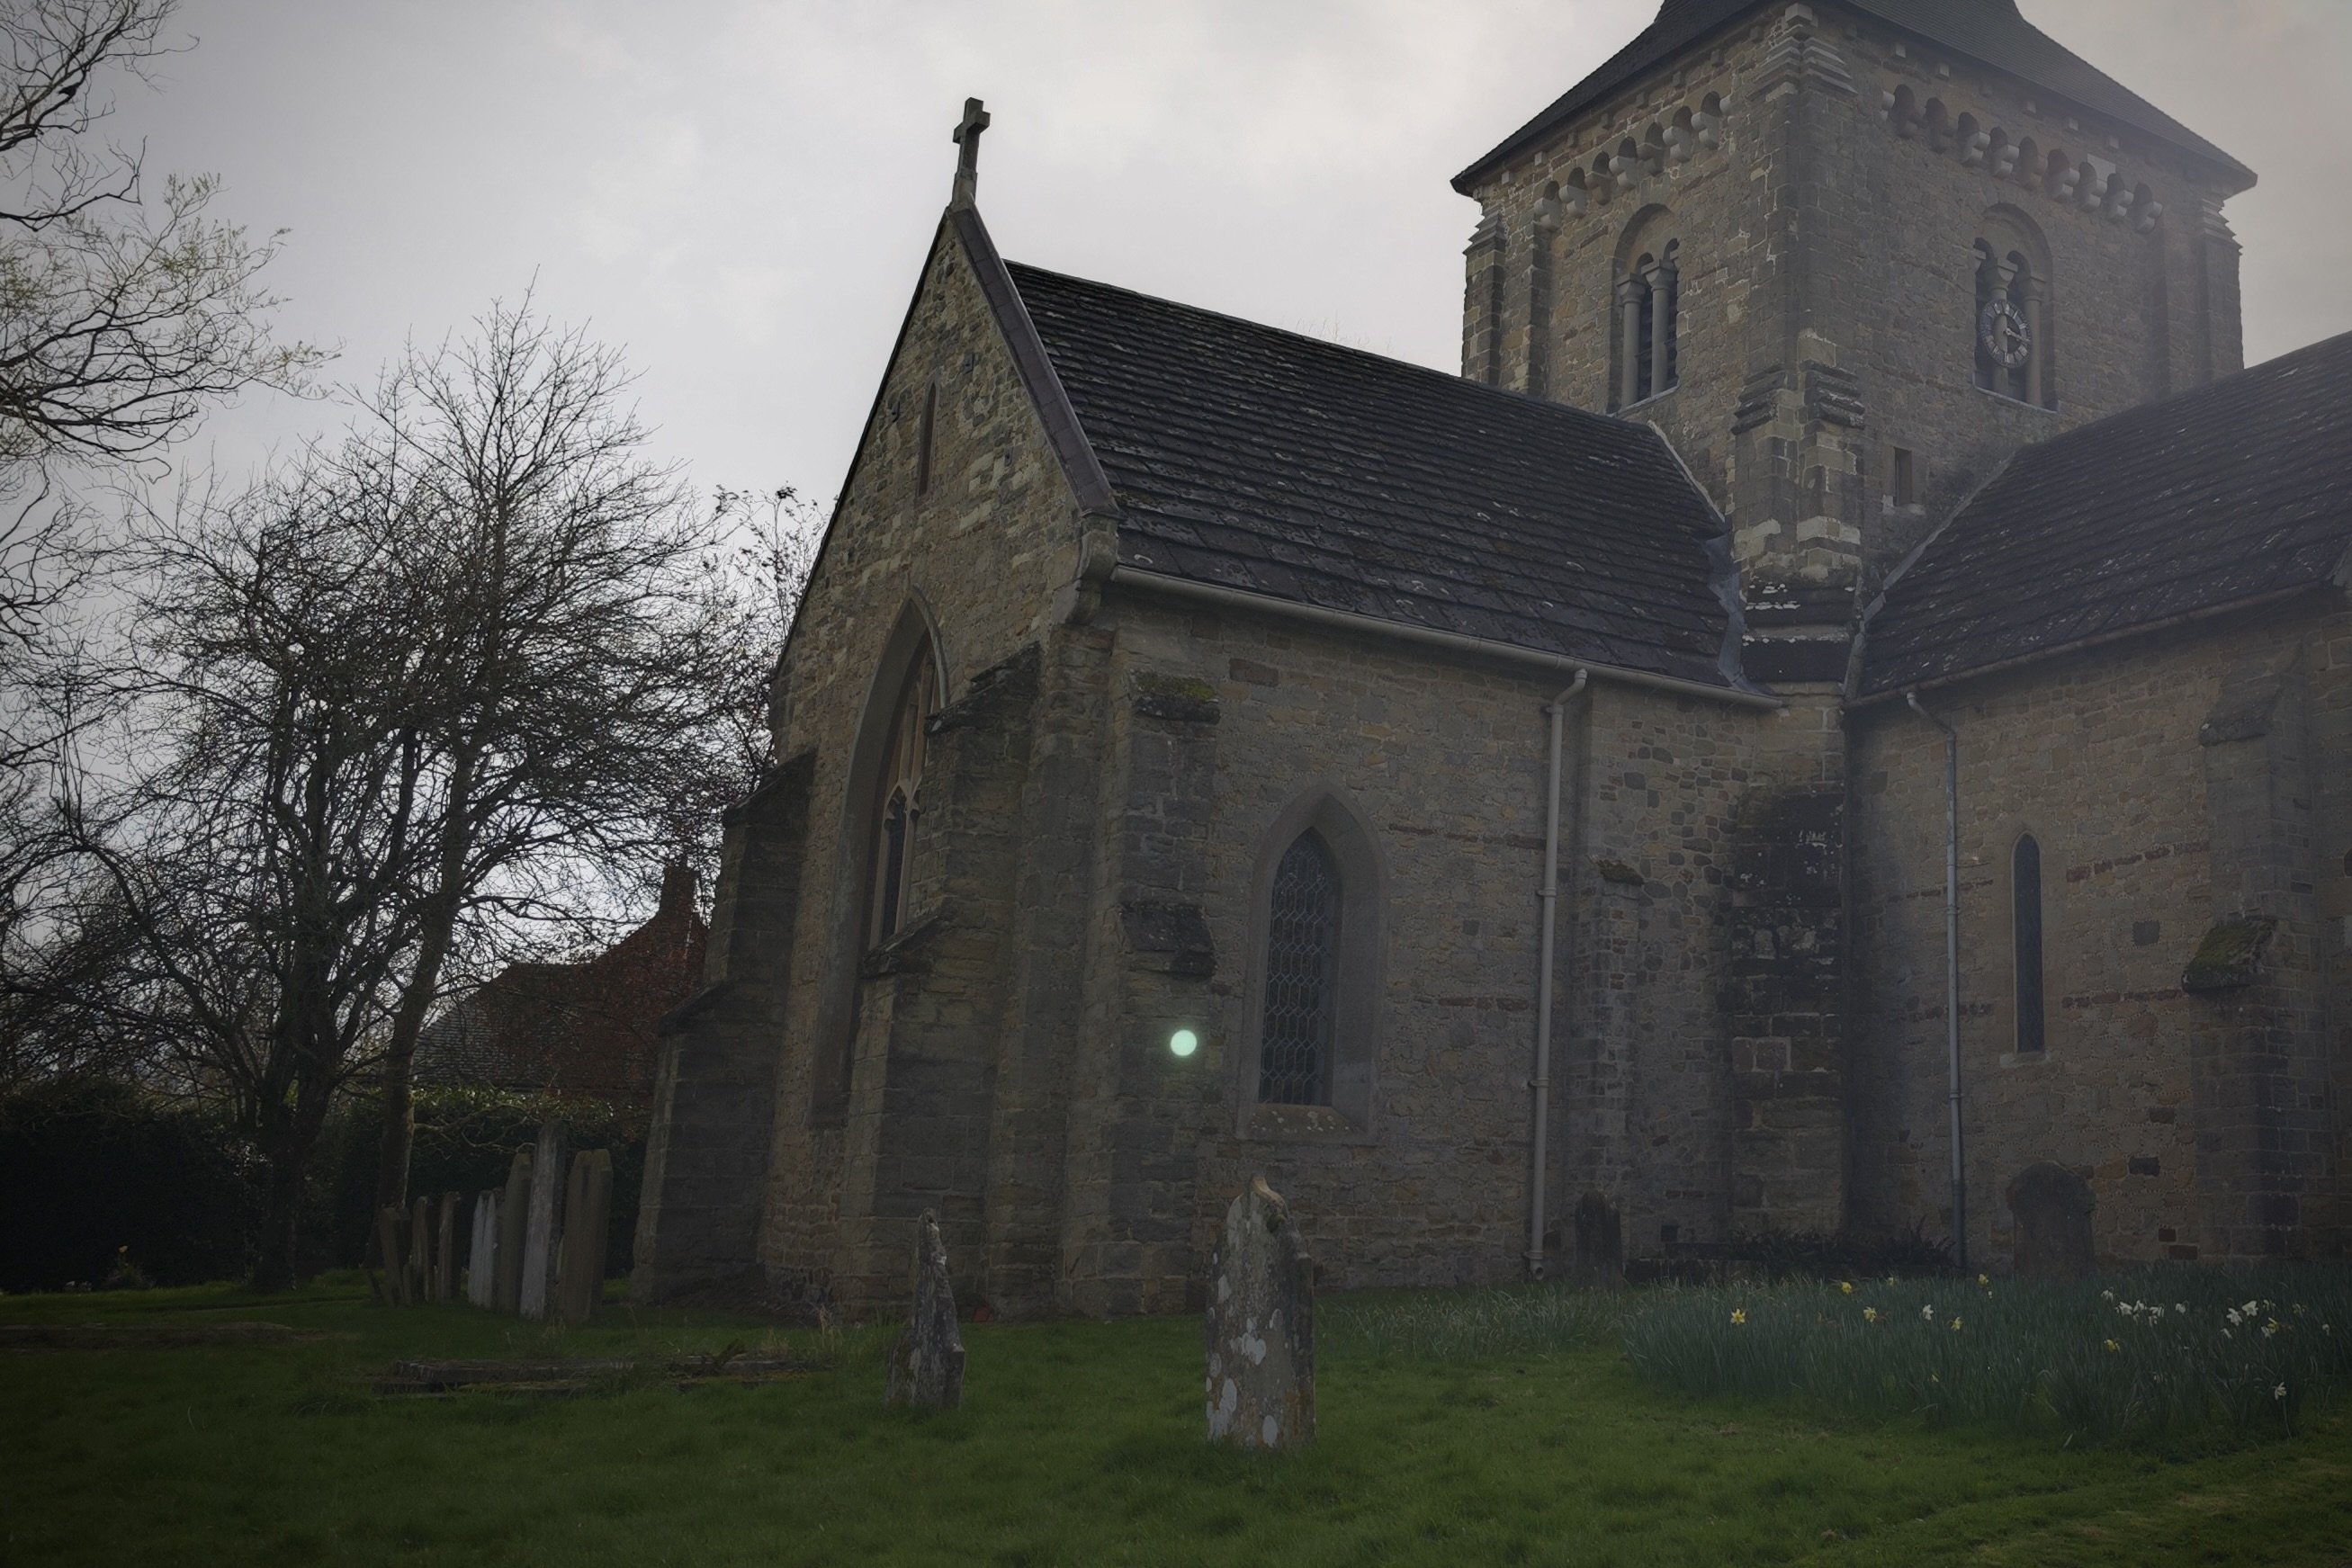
[{"x": 1302, "y": 962}]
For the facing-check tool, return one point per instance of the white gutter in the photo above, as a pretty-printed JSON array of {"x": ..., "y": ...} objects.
[
  {"x": 1541, "y": 1083},
  {"x": 1952, "y": 966},
  {"x": 1166, "y": 586}
]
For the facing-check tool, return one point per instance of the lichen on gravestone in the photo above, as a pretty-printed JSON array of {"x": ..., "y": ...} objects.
[
  {"x": 927, "y": 1363},
  {"x": 1261, "y": 1327}
]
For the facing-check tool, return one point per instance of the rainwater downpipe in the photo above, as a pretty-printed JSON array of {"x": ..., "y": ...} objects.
[
  {"x": 1540, "y": 1083},
  {"x": 1952, "y": 967}
]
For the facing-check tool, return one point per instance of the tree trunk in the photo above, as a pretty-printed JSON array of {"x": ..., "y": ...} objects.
[
  {"x": 440, "y": 926},
  {"x": 279, "y": 1266},
  {"x": 400, "y": 1054}
]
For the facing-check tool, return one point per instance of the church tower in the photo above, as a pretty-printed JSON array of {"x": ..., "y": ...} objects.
[{"x": 1848, "y": 255}]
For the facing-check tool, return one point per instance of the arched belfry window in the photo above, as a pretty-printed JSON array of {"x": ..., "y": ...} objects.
[
  {"x": 899, "y": 805},
  {"x": 1649, "y": 317},
  {"x": 1302, "y": 973},
  {"x": 2025, "y": 924},
  {"x": 2012, "y": 327}
]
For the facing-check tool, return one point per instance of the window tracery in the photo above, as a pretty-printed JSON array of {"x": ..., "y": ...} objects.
[
  {"x": 899, "y": 806},
  {"x": 1302, "y": 961}
]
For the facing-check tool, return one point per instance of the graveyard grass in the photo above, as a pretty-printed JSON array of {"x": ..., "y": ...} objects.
[{"x": 1079, "y": 1443}]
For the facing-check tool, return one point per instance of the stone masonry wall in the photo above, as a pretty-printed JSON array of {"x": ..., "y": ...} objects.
[
  {"x": 2208, "y": 1124},
  {"x": 981, "y": 552}
]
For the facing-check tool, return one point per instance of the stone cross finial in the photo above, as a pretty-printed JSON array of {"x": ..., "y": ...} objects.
[{"x": 967, "y": 137}]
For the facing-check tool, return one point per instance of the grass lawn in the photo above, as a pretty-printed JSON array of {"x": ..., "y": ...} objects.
[{"x": 1078, "y": 1444}]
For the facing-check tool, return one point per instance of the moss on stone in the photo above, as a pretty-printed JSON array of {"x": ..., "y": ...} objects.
[{"x": 2229, "y": 956}]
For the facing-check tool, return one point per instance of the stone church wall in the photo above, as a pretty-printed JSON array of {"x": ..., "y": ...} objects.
[
  {"x": 2205, "y": 1123},
  {"x": 982, "y": 551}
]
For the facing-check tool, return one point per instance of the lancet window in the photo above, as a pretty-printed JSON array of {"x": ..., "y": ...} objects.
[
  {"x": 899, "y": 803},
  {"x": 2025, "y": 927},
  {"x": 1302, "y": 964}
]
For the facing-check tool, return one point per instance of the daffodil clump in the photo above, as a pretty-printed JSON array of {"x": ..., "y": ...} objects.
[{"x": 2181, "y": 1351}]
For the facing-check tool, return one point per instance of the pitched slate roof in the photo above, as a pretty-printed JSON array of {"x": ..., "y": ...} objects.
[
  {"x": 1991, "y": 32},
  {"x": 1279, "y": 464},
  {"x": 2232, "y": 493}
]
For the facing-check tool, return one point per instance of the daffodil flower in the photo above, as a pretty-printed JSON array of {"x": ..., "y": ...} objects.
[
  {"x": 2112, "y": 1345},
  {"x": 1739, "y": 1314}
]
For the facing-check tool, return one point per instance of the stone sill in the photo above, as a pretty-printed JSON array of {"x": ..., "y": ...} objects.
[
  {"x": 2028, "y": 1059},
  {"x": 2008, "y": 401},
  {"x": 1654, "y": 398}
]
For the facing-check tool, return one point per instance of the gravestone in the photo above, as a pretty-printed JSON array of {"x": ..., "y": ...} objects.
[
  {"x": 1261, "y": 1327},
  {"x": 392, "y": 1244},
  {"x": 587, "y": 1225},
  {"x": 444, "y": 1261},
  {"x": 514, "y": 1217},
  {"x": 2052, "y": 1207},
  {"x": 1600, "y": 1244},
  {"x": 481, "y": 1262},
  {"x": 543, "y": 1230},
  {"x": 927, "y": 1363},
  {"x": 420, "y": 1251}
]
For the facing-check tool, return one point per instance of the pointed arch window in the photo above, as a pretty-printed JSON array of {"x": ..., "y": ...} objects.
[
  {"x": 1302, "y": 965},
  {"x": 2025, "y": 924},
  {"x": 900, "y": 804}
]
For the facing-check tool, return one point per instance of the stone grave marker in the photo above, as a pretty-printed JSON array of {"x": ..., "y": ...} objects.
[
  {"x": 544, "y": 1230},
  {"x": 927, "y": 1363},
  {"x": 2052, "y": 1207},
  {"x": 587, "y": 1225},
  {"x": 392, "y": 1244},
  {"x": 444, "y": 1261},
  {"x": 1261, "y": 1327},
  {"x": 514, "y": 1217},
  {"x": 481, "y": 1261},
  {"x": 1600, "y": 1244},
  {"x": 420, "y": 1251}
]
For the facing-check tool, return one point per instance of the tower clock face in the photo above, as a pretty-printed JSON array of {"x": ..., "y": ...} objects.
[{"x": 2002, "y": 329}]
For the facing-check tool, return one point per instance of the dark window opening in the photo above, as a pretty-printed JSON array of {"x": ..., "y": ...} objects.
[
  {"x": 1301, "y": 974},
  {"x": 1649, "y": 329},
  {"x": 1902, "y": 478},
  {"x": 2025, "y": 894},
  {"x": 923, "y": 440}
]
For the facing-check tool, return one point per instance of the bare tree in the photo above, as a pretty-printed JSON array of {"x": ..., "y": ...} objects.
[
  {"x": 121, "y": 316},
  {"x": 242, "y": 910},
  {"x": 585, "y": 621},
  {"x": 775, "y": 536}
]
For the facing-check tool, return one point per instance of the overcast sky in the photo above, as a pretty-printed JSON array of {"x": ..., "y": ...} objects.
[{"x": 739, "y": 192}]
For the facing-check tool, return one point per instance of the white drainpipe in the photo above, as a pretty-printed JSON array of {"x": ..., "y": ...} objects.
[{"x": 1541, "y": 1081}]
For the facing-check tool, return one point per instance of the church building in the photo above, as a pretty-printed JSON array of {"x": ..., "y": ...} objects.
[{"x": 1838, "y": 719}]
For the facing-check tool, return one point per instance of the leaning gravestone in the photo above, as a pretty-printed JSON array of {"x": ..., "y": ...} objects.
[
  {"x": 587, "y": 1220},
  {"x": 544, "y": 1230},
  {"x": 2052, "y": 1207},
  {"x": 481, "y": 1261},
  {"x": 1261, "y": 1327},
  {"x": 514, "y": 1218},
  {"x": 927, "y": 1363}
]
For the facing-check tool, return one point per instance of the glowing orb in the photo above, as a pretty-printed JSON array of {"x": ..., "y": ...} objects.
[{"x": 1183, "y": 1042}]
